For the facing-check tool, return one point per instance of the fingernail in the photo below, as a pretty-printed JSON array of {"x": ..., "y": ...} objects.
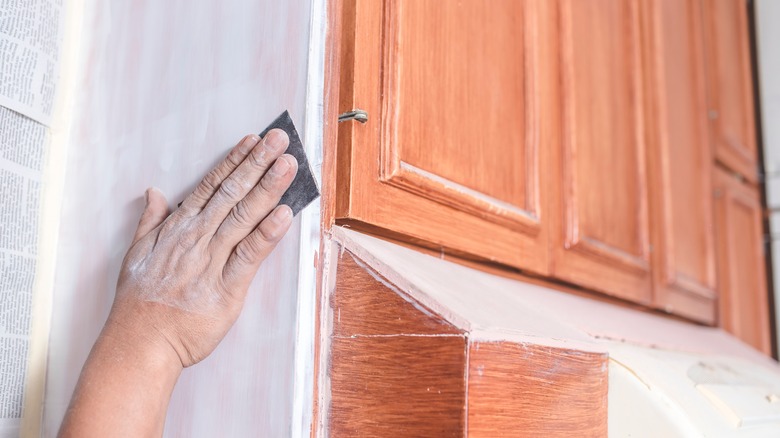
[
  {"x": 276, "y": 140},
  {"x": 280, "y": 167},
  {"x": 278, "y": 221},
  {"x": 249, "y": 142},
  {"x": 281, "y": 215},
  {"x": 146, "y": 197}
]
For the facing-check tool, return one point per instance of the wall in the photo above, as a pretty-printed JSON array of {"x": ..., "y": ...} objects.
[
  {"x": 767, "y": 13},
  {"x": 164, "y": 89}
]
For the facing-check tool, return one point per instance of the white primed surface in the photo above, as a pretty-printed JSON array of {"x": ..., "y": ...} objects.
[{"x": 164, "y": 90}]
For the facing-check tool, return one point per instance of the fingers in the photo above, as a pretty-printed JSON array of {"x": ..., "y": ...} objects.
[
  {"x": 256, "y": 205},
  {"x": 250, "y": 252},
  {"x": 154, "y": 214},
  {"x": 198, "y": 199},
  {"x": 244, "y": 178}
]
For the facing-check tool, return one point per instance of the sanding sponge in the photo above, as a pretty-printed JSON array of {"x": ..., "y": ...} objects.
[{"x": 303, "y": 189}]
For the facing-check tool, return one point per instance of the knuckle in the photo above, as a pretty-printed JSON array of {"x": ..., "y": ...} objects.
[
  {"x": 235, "y": 157},
  {"x": 211, "y": 181},
  {"x": 249, "y": 250},
  {"x": 259, "y": 157},
  {"x": 230, "y": 189},
  {"x": 271, "y": 184},
  {"x": 241, "y": 215}
]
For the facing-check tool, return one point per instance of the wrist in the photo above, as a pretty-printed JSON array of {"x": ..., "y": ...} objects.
[{"x": 136, "y": 338}]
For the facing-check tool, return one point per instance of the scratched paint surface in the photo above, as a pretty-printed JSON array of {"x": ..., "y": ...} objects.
[{"x": 165, "y": 89}]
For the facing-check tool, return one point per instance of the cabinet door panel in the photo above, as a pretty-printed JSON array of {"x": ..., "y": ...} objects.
[
  {"x": 731, "y": 87},
  {"x": 680, "y": 160},
  {"x": 451, "y": 154},
  {"x": 743, "y": 304},
  {"x": 605, "y": 240}
]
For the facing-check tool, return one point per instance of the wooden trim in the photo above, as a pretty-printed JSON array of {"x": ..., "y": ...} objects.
[
  {"x": 330, "y": 186},
  {"x": 575, "y": 240},
  {"x": 507, "y": 378},
  {"x": 398, "y": 368}
]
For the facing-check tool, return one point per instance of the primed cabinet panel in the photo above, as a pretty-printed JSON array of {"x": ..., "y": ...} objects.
[
  {"x": 603, "y": 242},
  {"x": 680, "y": 160},
  {"x": 731, "y": 88},
  {"x": 743, "y": 305},
  {"x": 451, "y": 154}
]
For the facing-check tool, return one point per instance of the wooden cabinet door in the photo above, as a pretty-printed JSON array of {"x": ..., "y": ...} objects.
[
  {"x": 743, "y": 300},
  {"x": 458, "y": 113},
  {"x": 601, "y": 236},
  {"x": 731, "y": 88},
  {"x": 680, "y": 160}
]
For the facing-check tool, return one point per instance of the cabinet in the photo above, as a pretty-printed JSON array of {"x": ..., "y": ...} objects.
[
  {"x": 730, "y": 85},
  {"x": 570, "y": 139},
  {"x": 454, "y": 152},
  {"x": 743, "y": 301},
  {"x": 680, "y": 160},
  {"x": 601, "y": 237}
]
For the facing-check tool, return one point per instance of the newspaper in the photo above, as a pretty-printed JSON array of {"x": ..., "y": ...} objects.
[
  {"x": 22, "y": 146},
  {"x": 30, "y": 38}
]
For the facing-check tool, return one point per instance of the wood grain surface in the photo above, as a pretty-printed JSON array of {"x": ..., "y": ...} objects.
[
  {"x": 532, "y": 391},
  {"x": 451, "y": 154},
  {"x": 396, "y": 369},
  {"x": 731, "y": 101},
  {"x": 680, "y": 160},
  {"x": 743, "y": 305}
]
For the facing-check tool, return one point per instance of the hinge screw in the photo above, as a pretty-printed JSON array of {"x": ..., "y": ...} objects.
[{"x": 356, "y": 114}]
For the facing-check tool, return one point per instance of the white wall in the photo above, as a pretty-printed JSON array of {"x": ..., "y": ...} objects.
[
  {"x": 166, "y": 87},
  {"x": 768, "y": 35}
]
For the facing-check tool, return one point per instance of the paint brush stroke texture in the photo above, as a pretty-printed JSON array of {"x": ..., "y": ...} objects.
[{"x": 160, "y": 107}]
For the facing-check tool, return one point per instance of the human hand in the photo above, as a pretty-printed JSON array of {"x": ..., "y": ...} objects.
[{"x": 185, "y": 276}]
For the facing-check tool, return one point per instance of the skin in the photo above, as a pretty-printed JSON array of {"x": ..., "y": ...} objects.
[{"x": 181, "y": 288}]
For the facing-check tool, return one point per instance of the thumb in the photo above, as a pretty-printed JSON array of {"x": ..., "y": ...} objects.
[{"x": 154, "y": 214}]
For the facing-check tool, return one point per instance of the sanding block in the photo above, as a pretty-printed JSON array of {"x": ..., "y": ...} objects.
[{"x": 303, "y": 190}]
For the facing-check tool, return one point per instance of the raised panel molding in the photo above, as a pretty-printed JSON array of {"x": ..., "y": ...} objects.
[
  {"x": 680, "y": 160},
  {"x": 449, "y": 156},
  {"x": 605, "y": 242},
  {"x": 743, "y": 300},
  {"x": 423, "y": 182},
  {"x": 731, "y": 85}
]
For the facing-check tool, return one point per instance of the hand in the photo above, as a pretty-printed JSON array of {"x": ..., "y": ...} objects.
[{"x": 185, "y": 276}]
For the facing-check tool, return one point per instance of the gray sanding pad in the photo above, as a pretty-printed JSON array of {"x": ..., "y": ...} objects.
[{"x": 303, "y": 189}]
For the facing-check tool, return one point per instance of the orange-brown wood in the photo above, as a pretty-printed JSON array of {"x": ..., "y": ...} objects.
[
  {"x": 329, "y": 188},
  {"x": 570, "y": 142},
  {"x": 453, "y": 149},
  {"x": 743, "y": 305},
  {"x": 397, "y": 386},
  {"x": 679, "y": 160},
  {"x": 398, "y": 369},
  {"x": 730, "y": 85},
  {"x": 371, "y": 306},
  {"x": 506, "y": 379},
  {"x": 601, "y": 237}
]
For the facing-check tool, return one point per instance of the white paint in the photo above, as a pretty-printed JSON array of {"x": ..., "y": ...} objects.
[
  {"x": 767, "y": 14},
  {"x": 164, "y": 89},
  {"x": 658, "y": 393},
  {"x": 494, "y": 308},
  {"x": 305, "y": 338}
]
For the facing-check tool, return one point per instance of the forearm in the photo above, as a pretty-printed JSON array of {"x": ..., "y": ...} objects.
[{"x": 124, "y": 388}]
